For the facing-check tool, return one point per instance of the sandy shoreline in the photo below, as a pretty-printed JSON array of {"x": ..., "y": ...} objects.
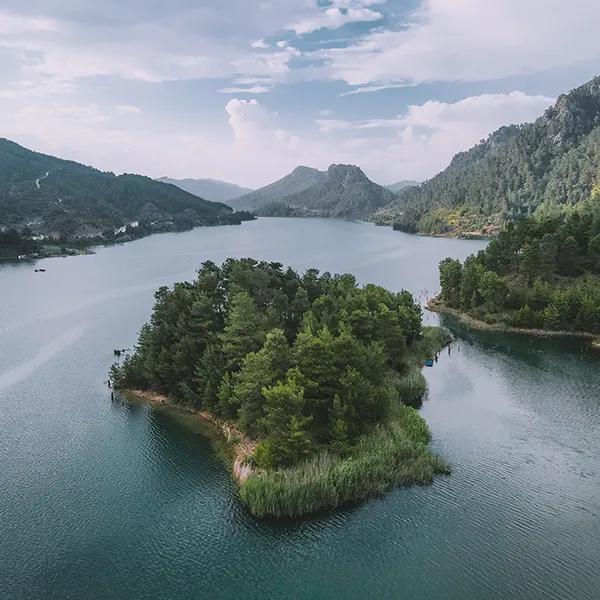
[{"x": 242, "y": 447}]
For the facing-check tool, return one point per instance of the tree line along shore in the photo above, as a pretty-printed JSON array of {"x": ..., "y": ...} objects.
[{"x": 540, "y": 275}]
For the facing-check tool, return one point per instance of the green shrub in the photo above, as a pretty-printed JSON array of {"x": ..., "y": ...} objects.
[{"x": 394, "y": 454}]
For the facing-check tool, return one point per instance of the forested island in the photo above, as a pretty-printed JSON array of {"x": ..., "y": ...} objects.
[
  {"x": 541, "y": 273},
  {"x": 311, "y": 376}
]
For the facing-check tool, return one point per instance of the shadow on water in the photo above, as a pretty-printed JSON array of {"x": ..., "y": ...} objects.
[{"x": 531, "y": 350}]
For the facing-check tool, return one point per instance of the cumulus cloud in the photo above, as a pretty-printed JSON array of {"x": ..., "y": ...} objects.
[
  {"x": 471, "y": 40},
  {"x": 422, "y": 141},
  {"x": 255, "y": 126}
]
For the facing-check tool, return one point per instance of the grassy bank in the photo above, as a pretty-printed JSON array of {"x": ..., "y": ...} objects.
[{"x": 396, "y": 453}]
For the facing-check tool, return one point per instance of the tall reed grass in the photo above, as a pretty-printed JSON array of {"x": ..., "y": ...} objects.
[{"x": 394, "y": 453}]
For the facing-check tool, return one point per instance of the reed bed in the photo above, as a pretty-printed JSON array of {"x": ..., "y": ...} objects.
[{"x": 393, "y": 454}]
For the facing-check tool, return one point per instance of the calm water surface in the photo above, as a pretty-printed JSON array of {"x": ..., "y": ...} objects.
[{"x": 103, "y": 500}]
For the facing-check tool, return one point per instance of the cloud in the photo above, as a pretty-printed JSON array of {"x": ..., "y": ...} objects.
[
  {"x": 254, "y": 89},
  {"x": 338, "y": 13},
  {"x": 369, "y": 89},
  {"x": 422, "y": 141},
  {"x": 254, "y": 125},
  {"x": 471, "y": 40},
  {"x": 177, "y": 41},
  {"x": 12, "y": 25}
]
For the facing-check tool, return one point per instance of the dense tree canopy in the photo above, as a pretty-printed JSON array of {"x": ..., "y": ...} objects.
[
  {"x": 543, "y": 272},
  {"x": 297, "y": 361},
  {"x": 66, "y": 199},
  {"x": 516, "y": 171}
]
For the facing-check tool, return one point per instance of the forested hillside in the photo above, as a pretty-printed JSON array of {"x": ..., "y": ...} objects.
[
  {"x": 65, "y": 199},
  {"x": 341, "y": 191},
  {"x": 300, "y": 179},
  {"x": 516, "y": 171},
  {"x": 542, "y": 273}
]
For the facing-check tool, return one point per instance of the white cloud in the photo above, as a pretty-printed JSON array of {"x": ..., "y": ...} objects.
[
  {"x": 253, "y": 89},
  {"x": 174, "y": 42},
  {"x": 369, "y": 89},
  {"x": 257, "y": 146},
  {"x": 12, "y": 25},
  {"x": 338, "y": 13},
  {"x": 422, "y": 141},
  {"x": 472, "y": 40}
]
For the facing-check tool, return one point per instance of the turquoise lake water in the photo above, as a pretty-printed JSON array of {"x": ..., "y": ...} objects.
[{"x": 101, "y": 499}]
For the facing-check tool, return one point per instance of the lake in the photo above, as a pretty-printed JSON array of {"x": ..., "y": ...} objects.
[{"x": 101, "y": 499}]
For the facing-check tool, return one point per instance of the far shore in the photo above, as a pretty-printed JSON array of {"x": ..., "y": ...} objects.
[{"x": 436, "y": 305}]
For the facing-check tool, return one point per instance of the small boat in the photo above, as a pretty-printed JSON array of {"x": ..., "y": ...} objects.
[
  {"x": 429, "y": 362},
  {"x": 40, "y": 270}
]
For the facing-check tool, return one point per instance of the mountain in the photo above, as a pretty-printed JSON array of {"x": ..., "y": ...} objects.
[
  {"x": 209, "y": 189},
  {"x": 400, "y": 185},
  {"x": 59, "y": 197},
  {"x": 542, "y": 166},
  {"x": 300, "y": 179},
  {"x": 341, "y": 191}
]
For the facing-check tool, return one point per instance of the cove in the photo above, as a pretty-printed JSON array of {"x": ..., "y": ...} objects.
[{"x": 104, "y": 499}]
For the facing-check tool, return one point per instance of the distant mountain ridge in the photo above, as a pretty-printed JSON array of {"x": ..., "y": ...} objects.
[
  {"x": 59, "y": 197},
  {"x": 213, "y": 190},
  {"x": 300, "y": 179},
  {"x": 401, "y": 185},
  {"x": 341, "y": 191},
  {"x": 519, "y": 169}
]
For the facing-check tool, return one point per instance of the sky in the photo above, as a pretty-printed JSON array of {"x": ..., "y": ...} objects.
[{"x": 245, "y": 90}]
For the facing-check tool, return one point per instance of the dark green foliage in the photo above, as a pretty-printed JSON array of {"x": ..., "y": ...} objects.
[
  {"x": 519, "y": 169},
  {"x": 71, "y": 202},
  {"x": 14, "y": 243},
  {"x": 341, "y": 191},
  {"x": 541, "y": 273},
  {"x": 298, "y": 361}
]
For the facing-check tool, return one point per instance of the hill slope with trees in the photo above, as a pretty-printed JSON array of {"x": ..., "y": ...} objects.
[
  {"x": 318, "y": 371},
  {"x": 62, "y": 200},
  {"x": 517, "y": 171},
  {"x": 300, "y": 179},
  {"x": 341, "y": 191}
]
